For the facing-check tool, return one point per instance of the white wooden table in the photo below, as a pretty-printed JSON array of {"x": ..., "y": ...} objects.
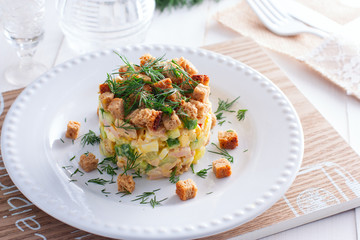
[{"x": 197, "y": 27}]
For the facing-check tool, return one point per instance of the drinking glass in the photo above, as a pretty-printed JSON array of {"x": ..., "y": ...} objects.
[
  {"x": 23, "y": 22},
  {"x": 96, "y": 24}
]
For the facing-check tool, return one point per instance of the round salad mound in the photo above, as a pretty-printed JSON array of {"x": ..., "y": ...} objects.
[{"x": 155, "y": 117}]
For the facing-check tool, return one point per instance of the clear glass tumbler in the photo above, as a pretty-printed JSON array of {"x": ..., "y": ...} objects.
[
  {"x": 23, "y": 22},
  {"x": 97, "y": 24}
]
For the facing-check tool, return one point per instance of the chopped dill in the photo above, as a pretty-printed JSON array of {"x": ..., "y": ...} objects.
[
  {"x": 137, "y": 174},
  {"x": 173, "y": 178},
  {"x": 124, "y": 193},
  {"x": 223, "y": 153},
  {"x": 90, "y": 138},
  {"x": 224, "y": 106},
  {"x": 104, "y": 191},
  {"x": 62, "y": 140},
  {"x": 76, "y": 171},
  {"x": 203, "y": 172},
  {"x": 241, "y": 114},
  {"x": 72, "y": 158},
  {"x": 109, "y": 159},
  {"x": 99, "y": 181},
  {"x": 143, "y": 198},
  {"x": 131, "y": 156},
  {"x": 67, "y": 167}
]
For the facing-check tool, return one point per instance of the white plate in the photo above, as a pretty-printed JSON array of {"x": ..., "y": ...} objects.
[{"x": 266, "y": 161}]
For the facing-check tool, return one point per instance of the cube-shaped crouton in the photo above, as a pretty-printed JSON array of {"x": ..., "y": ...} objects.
[
  {"x": 164, "y": 84},
  {"x": 125, "y": 183},
  {"x": 228, "y": 139},
  {"x": 116, "y": 107},
  {"x": 105, "y": 99},
  {"x": 73, "y": 129},
  {"x": 203, "y": 79},
  {"x": 186, "y": 189},
  {"x": 201, "y": 93},
  {"x": 221, "y": 168},
  {"x": 88, "y": 162}
]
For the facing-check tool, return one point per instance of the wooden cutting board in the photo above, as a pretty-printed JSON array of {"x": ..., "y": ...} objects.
[{"x": 327, "y": 183}]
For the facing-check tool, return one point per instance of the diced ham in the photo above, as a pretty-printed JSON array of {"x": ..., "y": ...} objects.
[
  {"x": 116, "y": 107},
  {"x": 181, "y": 152},
  {"x": 125, "y": 129},
  {"x": 171, "y": 122}
]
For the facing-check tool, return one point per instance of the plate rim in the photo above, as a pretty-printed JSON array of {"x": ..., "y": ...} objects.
[{"x": 262, "y": 204}]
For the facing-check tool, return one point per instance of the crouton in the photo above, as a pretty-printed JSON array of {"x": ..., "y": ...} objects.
[
  {"x": 186, "y": 189},
  {"x": 213, "y": 121},
  {"x": 116, "y": 107},
  {"x": 164, "y": 84},
  {"x": 171, "y": 122},
  {"x": 146, "y": 118},
  {"x": 228, "y": 139},
  {"x": 221, "y": 168},
  {"x": 146, "y": 58},
  {"x": 88, "y": 162},
  {"x": 189, "y": 109},
  {"x": 202, "y": 110},
  {"x": 186, "y": 65},
  {"x": 73, "y": 129},
  {"x": 203, "y": 79},
  {"x": 104, "y": 88},
  {"x": 201, "y": 93},
  {"x": 105, "y": 99},
  {"x": 125, "y": 183}
]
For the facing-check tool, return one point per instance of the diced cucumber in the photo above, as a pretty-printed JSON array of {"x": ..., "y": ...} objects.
[
  {"x": 173, "y": 133},
  {"x": 108, "y": 118},
  {"x": 103, "y": 150},
  {"x": 173, "y": 142},
  {"x": 102, "y": 132}
]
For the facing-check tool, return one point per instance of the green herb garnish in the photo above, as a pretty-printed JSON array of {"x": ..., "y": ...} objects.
[
  {"x": 76, "y": 171},
  {"x": 241, "y": 114},
  {"x": 72, "y": 158},
  {"x": 131, "y": 156},
  {"x": 203, "y": 172},
  {"x": 173, "y": 178},
  {"x": 143, "y": 198},
  {"x": 223, "y": 153},
  {"x": 224, "y": 106},
  {"x": 90, "y": 138},
  {"x": 99, "y": 181}
]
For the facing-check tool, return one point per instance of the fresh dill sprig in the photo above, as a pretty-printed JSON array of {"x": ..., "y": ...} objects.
[
  {"x": 127, "y": 126},
  {"x": 173, "y": 178},
  {"x": 137, "y": 174},
  {"x": 154, "y": 202},
  {"x": 124, "y": 193},
  {"x": 131, "y": 156},
  {"x": 223, "y": 153},
  {"x": 203, "y": 172},
  {"x": 76, "y": 171},
  {"x": 145, "y": 195},
  {"x": 72, "y": 158},
  {"x": 109, "y": 169},
  {"x": 143, "y": 198},
  {"x": 192, "y": 168},
  {"x": 224, "y": 106},
  {"x": 90, "y": 138},
  {"x": 99, "y": 181},
  {"x": 62, "y": 140},
  {"x": 104, "y": 191},
  {"x": 109, "y": 159},
  {"x": 241, "y": 114}
]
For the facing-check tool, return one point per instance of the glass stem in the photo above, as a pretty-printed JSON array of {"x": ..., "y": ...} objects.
[{"x": 25, "y": 54}]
